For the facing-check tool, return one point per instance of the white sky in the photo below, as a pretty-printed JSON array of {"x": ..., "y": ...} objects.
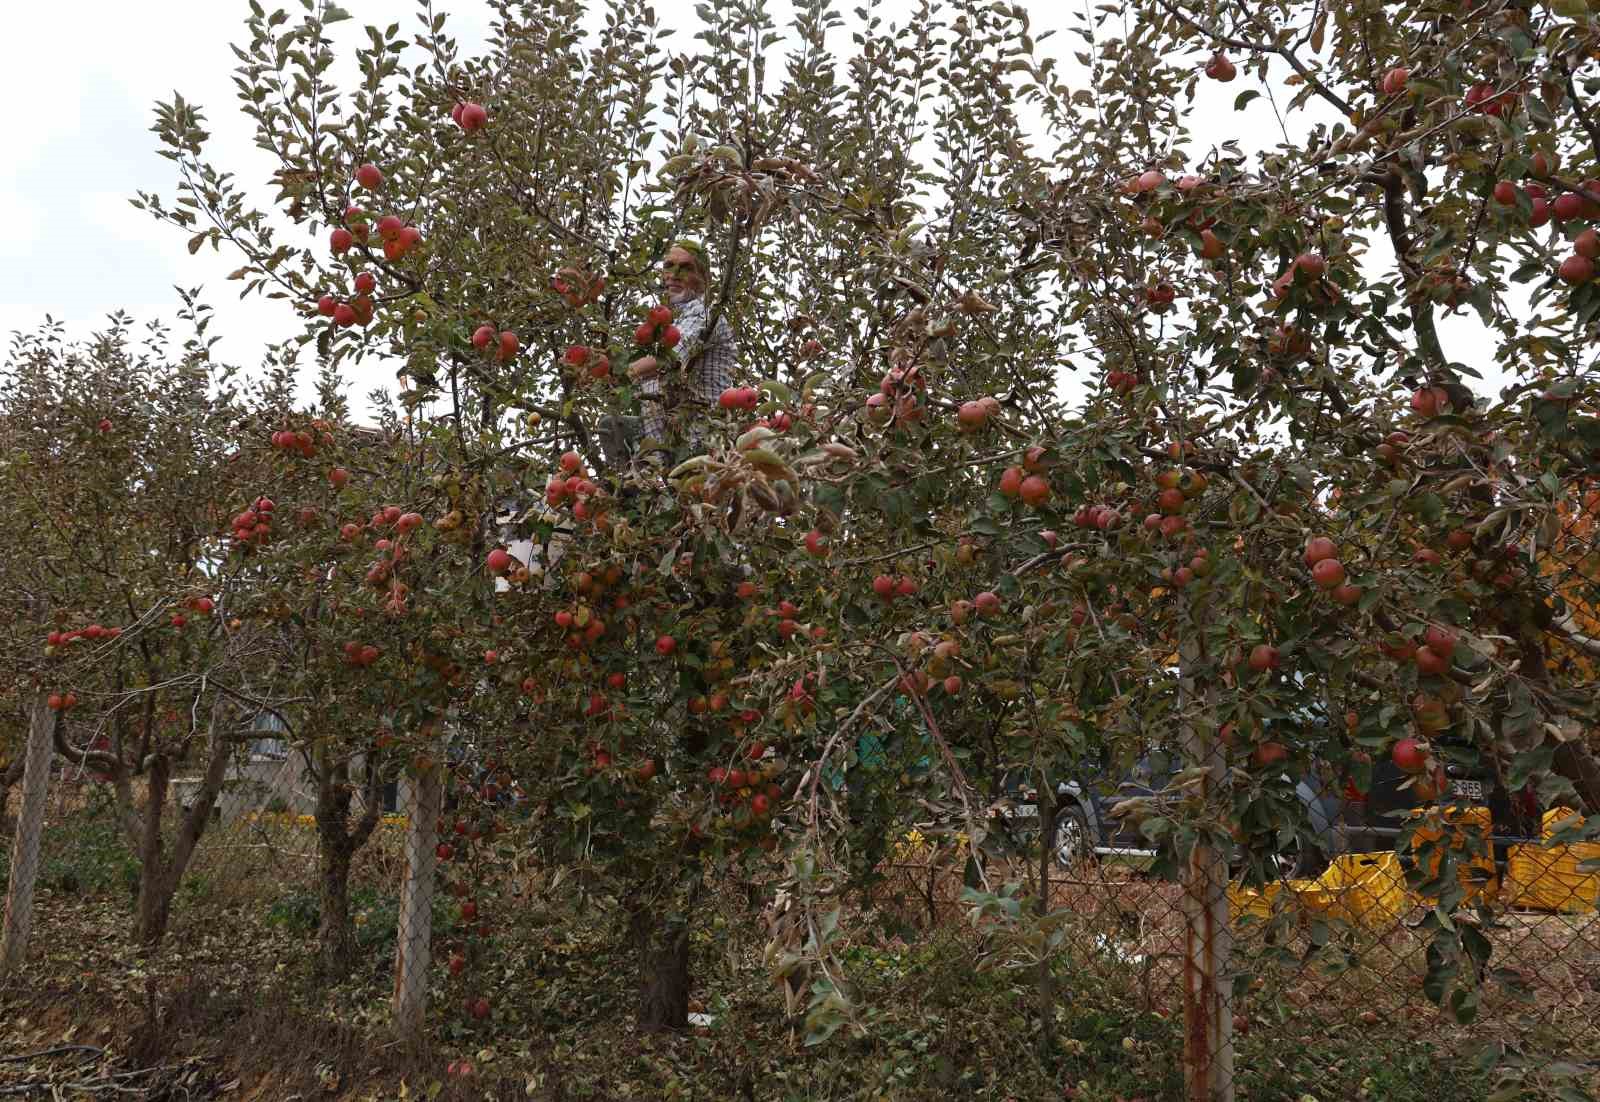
[{"x": 78, "y": 146}]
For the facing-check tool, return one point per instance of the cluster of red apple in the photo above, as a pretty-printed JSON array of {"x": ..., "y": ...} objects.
[
  {"x": 587, "y": 362},
  {"x": 60, "y": 702},
  {"x": 747, "y": 796},
  {"x": 254, "y": 525},
  {"x": 1102, "y": 517},
  {"x": 1199, "y": 566},
  {"x": 1483, "y": 99},
  {"x": 202, "y": 605},
  {"x": 398, "y": 237},
  {"x": 1327, "y": 572},
  {"x": 94, "y": 633},
  {"x": 1175, "y": 490},
  {"x": 800, "y": 701},
  {"x": 739, "y": 397},
  {"x": 505, "y": 343},
  {"x": 1026, "y": 482},
  {"x": 577, "y": 286},
  {"x": 1121, "y": 381},
  {"x": 657, "y": 327},
  {"x": 781, "y": 421},
  {"x": 470, "y": 116},
  {"x": 888, "y": 588},
  {"x": 575, "y": 484},
  {"x": 360, "y": 655},
  {"x": 1432, "y": 656},
  {"x": 975, "y": 416},
  {"x": 897, "y": 395},
  {"x": 943, "y": 658},
  {"x": 788, "y": 626},
  {"x": 358, "y": 310},
  {"x": 1305, "y": 276},
  {"x": 286, "y": 440},
  {"x": 986, "y": 604}
]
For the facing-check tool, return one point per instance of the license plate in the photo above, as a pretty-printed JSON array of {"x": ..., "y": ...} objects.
[
  {"x": 1020, "y": 811},
  {"x": 1468, "y": 790}
]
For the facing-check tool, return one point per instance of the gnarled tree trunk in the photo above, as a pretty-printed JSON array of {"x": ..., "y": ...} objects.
[
  {"x": 160, "y": 869},
  {"x": 661, "y": 946},
  {"x": 338, "y": 842}
]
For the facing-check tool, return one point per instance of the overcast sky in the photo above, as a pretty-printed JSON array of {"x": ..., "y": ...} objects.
[{"x": 79, "y": 146}]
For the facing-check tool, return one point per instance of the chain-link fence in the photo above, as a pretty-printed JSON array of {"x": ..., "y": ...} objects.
[{"x": 1453, "y": 937}]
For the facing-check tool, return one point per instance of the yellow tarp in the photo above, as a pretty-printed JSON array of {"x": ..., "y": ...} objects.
[{"x": 1546, "y": 877}]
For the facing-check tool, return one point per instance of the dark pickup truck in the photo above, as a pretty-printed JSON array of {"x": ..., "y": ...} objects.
[{"x": 1086, "y": 828}]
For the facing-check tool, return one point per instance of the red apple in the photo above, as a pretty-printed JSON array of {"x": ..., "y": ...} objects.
[
  {"x": 509, "y": 345},
  {"x": 1011, "y": 482},
  {"x": 369, "y": 177},
  {"x": 1319, "y": 548},
  {"x": 1431, "y": 662},
  {"x": 1263, "y": 657},
  {"x": 1034, "y": 491},
  {"x": 1409, "y": 755},
  {"x": 1576, "y": 268},
  {"x": 1441, "y": 640},
  {"x": 1328, "y": 574}
]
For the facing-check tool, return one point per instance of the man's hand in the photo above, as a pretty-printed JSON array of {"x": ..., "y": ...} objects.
[{"x": 643, "y": 368}]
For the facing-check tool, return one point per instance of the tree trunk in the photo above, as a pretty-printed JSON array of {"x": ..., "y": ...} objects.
[
  {"x": 25, "y": 845},
  {"x": 335, "y": 938},
  {"x": 154, "y": 901},
  {"x": 337, "y": 844},
  {"x": 156, "y": 888},
  {"x": 160, "y": 872},
  {"x": 662, "y": 947}
]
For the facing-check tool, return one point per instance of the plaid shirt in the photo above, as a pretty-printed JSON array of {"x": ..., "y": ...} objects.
[{"x": 708, "y": 374}]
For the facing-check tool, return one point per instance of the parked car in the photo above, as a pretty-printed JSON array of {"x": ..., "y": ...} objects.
[{"x": 1086, "y": 829}]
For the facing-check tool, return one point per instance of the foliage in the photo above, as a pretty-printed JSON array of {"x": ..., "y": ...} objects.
[{"x": 1282, "y": 534}]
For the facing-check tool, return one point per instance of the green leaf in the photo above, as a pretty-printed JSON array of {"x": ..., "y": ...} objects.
[
  {"x": 333, "y": 13},
  {"x": 1244, "y": 98}
]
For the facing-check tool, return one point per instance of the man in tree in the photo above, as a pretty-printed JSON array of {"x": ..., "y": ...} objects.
[{"x": 674, "y": 402}]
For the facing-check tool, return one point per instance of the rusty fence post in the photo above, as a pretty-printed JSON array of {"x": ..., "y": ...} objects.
[
  {"x": 1207, "y": 937},
  {"x": 18, "y": 923}
]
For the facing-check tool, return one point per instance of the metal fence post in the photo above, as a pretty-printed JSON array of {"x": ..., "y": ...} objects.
[
  {"x": 1207, "y": 938},
  {"x": 413, "y": 949},
  {"x": 30, "y": 826}
]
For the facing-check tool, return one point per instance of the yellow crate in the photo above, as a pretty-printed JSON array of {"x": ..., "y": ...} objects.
[
  {"x": 1478, "y": 875},
  {"x": 1252, "y": 902},
  {"x": 1367, "y": 889},
  {"x": 1546, "y": 877}
]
